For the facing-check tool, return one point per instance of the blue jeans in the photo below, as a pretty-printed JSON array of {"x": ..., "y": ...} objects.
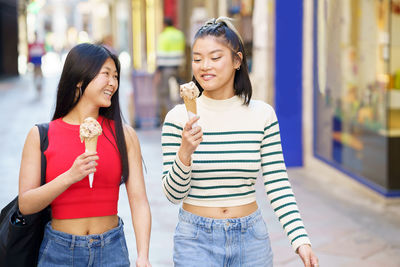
[
  {"x": 200, "y": 241},
  {"x": 62, "y": 249}
]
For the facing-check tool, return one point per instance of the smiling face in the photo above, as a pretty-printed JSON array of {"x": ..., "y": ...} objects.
[
  {"x": 214, "y": 67},
  {"x": 100, "y": 90}
]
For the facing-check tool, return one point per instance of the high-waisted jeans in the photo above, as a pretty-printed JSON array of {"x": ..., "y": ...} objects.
[
  {"x": 200, "y": 241},
  {"x": 62, "y": 249}
]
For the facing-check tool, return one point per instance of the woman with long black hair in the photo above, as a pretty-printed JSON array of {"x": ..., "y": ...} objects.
[{"x": 85, "y": 229}]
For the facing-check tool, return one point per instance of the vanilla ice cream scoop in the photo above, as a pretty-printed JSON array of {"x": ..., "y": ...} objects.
[
  {"x": 189, "y": 90},
  {"x": 89, "y": 128}
]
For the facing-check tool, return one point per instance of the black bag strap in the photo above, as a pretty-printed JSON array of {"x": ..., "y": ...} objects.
[{"x": 44, "y": 143}]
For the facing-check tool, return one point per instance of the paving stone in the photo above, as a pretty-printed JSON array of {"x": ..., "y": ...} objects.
[
  {"x": 358, "y": 244},
  {"x": 389, "y": 257}
]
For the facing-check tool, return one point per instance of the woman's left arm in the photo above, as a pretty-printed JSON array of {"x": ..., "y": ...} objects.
[
  {"x": 280, "y": 193},
  {"x": 140, "y": 209}
]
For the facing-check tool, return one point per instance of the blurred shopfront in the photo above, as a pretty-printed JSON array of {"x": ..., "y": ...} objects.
[{"x": 357, "y": 90}]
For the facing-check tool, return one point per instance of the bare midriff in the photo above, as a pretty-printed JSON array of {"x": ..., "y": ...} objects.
[
  {"x": 85, "y": 226},
  {"x": 222, "y": 212}
]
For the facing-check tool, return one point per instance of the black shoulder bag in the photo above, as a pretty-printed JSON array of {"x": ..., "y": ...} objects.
[{"x": 21, "y": 235}]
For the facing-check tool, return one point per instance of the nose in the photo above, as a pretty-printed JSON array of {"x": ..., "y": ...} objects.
[
  {"x": 205, "y": 65},
  {"x": 112, "y": 81}
]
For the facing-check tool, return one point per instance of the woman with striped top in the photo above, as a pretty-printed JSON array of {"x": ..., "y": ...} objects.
[{"x": 212, "y": 168}]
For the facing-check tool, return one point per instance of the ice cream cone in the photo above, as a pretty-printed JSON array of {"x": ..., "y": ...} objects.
[
  {"x": 191, "y": 105},
  {"x": 91, "y": 144},
  {"x": 189, "y": 92},
  {"x": 89, "y": 132}
]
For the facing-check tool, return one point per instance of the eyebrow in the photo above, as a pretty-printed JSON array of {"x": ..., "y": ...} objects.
[{"x": 212, "y": 52}]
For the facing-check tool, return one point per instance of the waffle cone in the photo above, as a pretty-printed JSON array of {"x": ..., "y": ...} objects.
[
  {"x": 190, "y": 105},
  {"x": 91, "y": 144}
]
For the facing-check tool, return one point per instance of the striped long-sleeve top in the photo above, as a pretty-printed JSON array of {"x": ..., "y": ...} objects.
[{"x": 239, "y": 141}]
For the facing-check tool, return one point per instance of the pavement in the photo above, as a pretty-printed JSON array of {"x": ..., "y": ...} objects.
[{"x": 347, "y": 227}]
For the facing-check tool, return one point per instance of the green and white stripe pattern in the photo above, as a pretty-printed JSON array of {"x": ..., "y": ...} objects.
[{"x": 238, "y": 142}]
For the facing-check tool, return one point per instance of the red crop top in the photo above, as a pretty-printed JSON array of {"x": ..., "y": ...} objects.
[{"x": 79, "y": 200}]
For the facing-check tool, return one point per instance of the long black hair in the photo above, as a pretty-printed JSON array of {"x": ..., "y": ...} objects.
[
  {"x": 225, "y": 32},
  {"x": 82, "y": 65}
]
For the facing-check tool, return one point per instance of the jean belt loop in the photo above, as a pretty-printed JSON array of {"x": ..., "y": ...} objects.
[
  {"x": 243, "y": 225},
  {"x": 72, "y": 242},
  {"x": 102, "y": 240},
  {"x": 208, "y": 225}
]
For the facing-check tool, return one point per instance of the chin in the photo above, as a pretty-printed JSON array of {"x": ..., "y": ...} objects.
[
  {"x": 206, "y": 87},
  {"x": 105, "y": 105},
  {"x": 209, "y": 89}
]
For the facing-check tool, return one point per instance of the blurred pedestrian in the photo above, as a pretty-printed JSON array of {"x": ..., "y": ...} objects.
[
  {"x": 213, "y": 169},
  {"x": 85, "y": 228},
  {"x": 36, "y": 51},
  {"x": 170, "y": 56}
]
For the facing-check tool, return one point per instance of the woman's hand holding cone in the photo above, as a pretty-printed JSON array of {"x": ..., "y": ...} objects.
[{"x": 83, "y": 165}]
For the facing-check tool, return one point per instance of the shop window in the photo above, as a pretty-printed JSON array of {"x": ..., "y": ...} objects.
[{"x": 357, "y": 87}]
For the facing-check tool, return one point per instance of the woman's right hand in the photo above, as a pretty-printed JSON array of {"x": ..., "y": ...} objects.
[
  {"x": 83, "y": 165},
  {"x": 191, "y": 138}
]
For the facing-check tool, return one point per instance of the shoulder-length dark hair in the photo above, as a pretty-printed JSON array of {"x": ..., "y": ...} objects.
[
  {"x": 225, "y": 32},
  {"x": 82, "y": 65}
]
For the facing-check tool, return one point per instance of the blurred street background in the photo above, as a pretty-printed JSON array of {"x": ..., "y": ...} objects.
[{"x": 330, "y": 68}]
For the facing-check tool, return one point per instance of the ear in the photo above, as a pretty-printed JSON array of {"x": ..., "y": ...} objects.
[
  {"x": 79, "y": 85},
  {"x": 237, "y": 62}
]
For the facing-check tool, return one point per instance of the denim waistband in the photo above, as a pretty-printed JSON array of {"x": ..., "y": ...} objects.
[
  {"x": 71, "y": 241},
  {"x": 209, "y": 223}
]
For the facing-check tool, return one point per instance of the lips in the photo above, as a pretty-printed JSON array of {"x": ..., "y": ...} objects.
[
  {"x": 109, "y": 93},
  {"x": 207, "y": 76}
]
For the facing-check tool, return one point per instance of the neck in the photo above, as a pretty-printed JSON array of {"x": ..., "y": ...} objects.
[
  {"x": 219, "y": 105},
  {"x": 80, "y": 112},
  {"x": 220, "y": 94}
]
